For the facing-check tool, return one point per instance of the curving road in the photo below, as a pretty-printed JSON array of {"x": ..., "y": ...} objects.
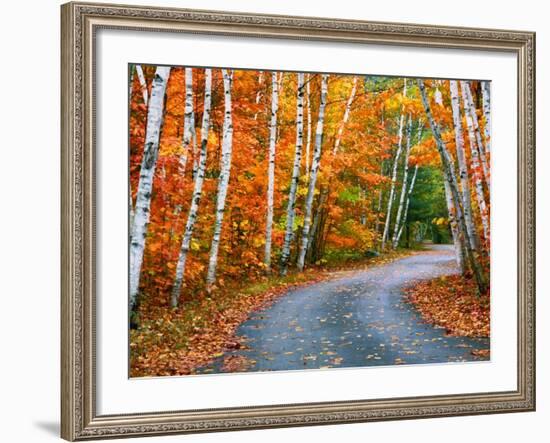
[{"x": 357, "y": 319}]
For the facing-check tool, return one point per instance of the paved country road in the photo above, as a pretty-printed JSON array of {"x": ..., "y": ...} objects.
[{"x": 359, "y": 318}]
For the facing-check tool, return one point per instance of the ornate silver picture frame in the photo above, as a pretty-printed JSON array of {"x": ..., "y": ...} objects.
[{"x": 80, "y": 22}]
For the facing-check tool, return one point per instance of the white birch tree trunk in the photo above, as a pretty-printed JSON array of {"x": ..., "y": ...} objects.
[
  {"x": 347, "y": 112},
  {"x": 478, "y": 184},
  {"x": 188, "y": 122},
  {"x": 146, "y": 175},
  {"x": 271, "y": 170},
  {"x": 131, "y": 82},
  {"x": 194, "y": 148},
  {"x": 394, "y": 174},
  {"x": 260, "y": 82},
  {"x": 223, "y": 181},
  {"x": 459, "y": 249},
  {"x": 486, "y": 93},
  {"x": 363, "y": 197},
  {"x": 308, "y": 138},
  {"x": 462, "y": 164},
  {"x": 290, "y": 211},
  {"x": 448, "y": 169},
  {"x": 406, "y": 210},
  {"x": 325, "y": 191},
  {"x": 476, "y": 172},
  {"x": 381, "y": 190},
  {"x": 379, "y": 208},
  {"x": 259, "y": 93},
  {"x": 197, "y": 191},
  {"x": 395, "y": 239},
  {"x": 143, "y": 84},
  {"x": 411, "y": 186},
  {"x": 473, "y": 125},
  {"x": 314, "y": 170}
]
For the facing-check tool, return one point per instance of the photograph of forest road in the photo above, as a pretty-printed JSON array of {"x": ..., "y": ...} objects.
[{"x": 283, "y": 221}]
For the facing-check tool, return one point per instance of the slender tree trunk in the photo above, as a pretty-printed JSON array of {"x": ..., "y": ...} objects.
[
  {"x": 131, "y": 82},
  {"x": 271, "y": 170},
  {"x": 397, "y": 224},
  {"x": 380, "y": 199},
  {"x": 406, "y": 211},
  {"x": 463, "y": 165},
  {"x": 314, "y": 234},
  {"x": 457, "y": 240},
  {"x": 188, "y": 122},
  {"x": 411, "y": 188},
  {"x": 290, "y": 211},
  {"x": 308, "y": 137},
  {"x": 314, "y": 171},
  {"x": 394, "y": 174},
  {"x": 477, "y": 176},
  {"x": 259, "y": 93},
  {"x": 450, "y": 176},
  {"x": 363, "y": 197},
  {"x": 473, "y": 128},
  {"x": 223, "y": 181},
  {"x": 325, "y": 191},
  {"x": 381, "y": 191},
  {"x": 486, "y": 92},
  {"x": 347, "y": 112},
  {"x": 197, "y": 192},
  {"x": 146, "y": 175},
  {"x": 194, "y": 149},
  {"x": 143, "y": 84}
]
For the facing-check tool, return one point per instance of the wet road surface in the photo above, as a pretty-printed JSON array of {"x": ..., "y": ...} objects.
[{"x": 357, "y": 319}]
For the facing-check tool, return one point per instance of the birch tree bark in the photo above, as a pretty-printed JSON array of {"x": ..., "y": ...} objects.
[
  {"x": 271, "y": 170},
  {"x": 145, "y": 186},
  {"x": 476, "y": 170},
  {"x": 259, "y": 93},
  {"x": 223, "y": 181},
  {"x": 290, "y": 211},
  {"x": 194, "y": 148},
  {"x": 462, "y": 165},
  {"x": 188, "y": 122},
  {"x": 315, "y": 169},
  {"x": 308, "y": 138},
  {"x": 324, "y": 194},
  {"x": 450, "y": 177},
  {"x": 457, "y": 240},
  {"x": 478, "y": 184},
  {"x": 408, "y": 201},
  {"x": 486, "y": 93},
  {"x": 343, "y": 122},
  {"x": 363, "y": 197},
  {"x": 381, "y": 190},
  {"x": 379, "y": 207},
  {"x": 143, "y": 84},
  {"x": 473, "y": 128},
  {"x": 260, "y": 82},
  {"x": 397, "y": 224},
  {"x": 394, "y": 174},
  {"x": 197, "y": 191}
]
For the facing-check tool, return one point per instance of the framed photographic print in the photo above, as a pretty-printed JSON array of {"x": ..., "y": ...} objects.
[{"x": 282, "y": 221}]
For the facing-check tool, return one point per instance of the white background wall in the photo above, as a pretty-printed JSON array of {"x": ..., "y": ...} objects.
[{"x": 29, "y": 219}]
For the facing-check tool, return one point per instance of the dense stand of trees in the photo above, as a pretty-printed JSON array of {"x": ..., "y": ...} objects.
[{"x": 291, "y": 169}]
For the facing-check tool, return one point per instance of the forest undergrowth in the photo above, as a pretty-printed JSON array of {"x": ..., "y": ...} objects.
[{"x": 176, "y": 341}]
